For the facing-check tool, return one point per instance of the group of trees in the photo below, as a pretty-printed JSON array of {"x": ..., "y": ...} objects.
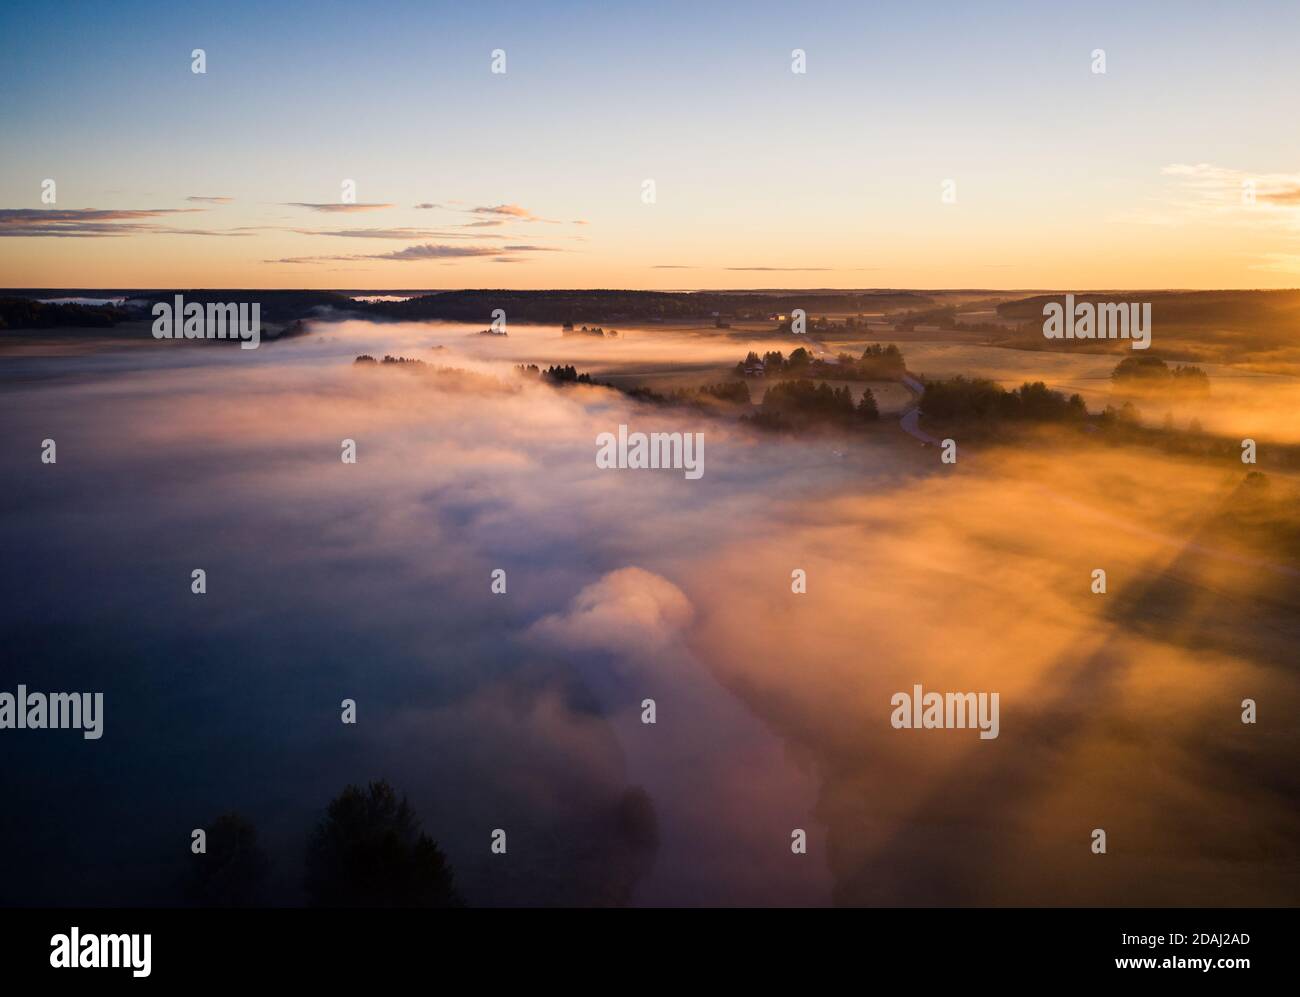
[
  {"x": 799, "y": 403},
  {"x": 705, "y": 396},
  {"x": 569, "y": 330},
  {"x": 944, "y": 317},
  {"x": 555, "y": 374},
  {"x": 824, "y": 324},
  {"x": 28, "y": 313},
  {"x": 368, "y": 851},
  {"x": 736, "y": 392},
  {"x": 567, "y": 374},
  {"x": 1150, "y": 372},
  {"x": 877, "y": 363},
  {"x": 962, "y": 398},
  {"x": 366, "y": 358}
]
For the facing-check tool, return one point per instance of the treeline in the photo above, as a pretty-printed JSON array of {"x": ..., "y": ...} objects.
[
  {"x": 800, "y": 404},
  {"x": 612, "y": 305},
  {"x": 366, "y": 358},
  {"x": 977, "y": 399},
  {"x": 567, "y": 374},
  {"x": 709, "y": 395},
  {"x": 877, "y": 363},
  {"x": 943, "y": 318},
  {"x": 1150, "y": 372},
  {"x": 1222, "y": 326},
  {"x": 826, "y": 324},
  {"x": 273, "y": 306},
  {"x": 597, "y": 331},
  {"x": 787, "y": 405},
  {"x": 368, "y": 851},
  {"x": 446, "y": 378},
  {"x": 705, "y": 396},
  {"x": 28, "y": 313},
  {"x": 1238, "y": 309}
]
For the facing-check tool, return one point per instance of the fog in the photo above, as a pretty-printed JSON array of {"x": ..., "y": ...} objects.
[{"x": 523, "y": 710}]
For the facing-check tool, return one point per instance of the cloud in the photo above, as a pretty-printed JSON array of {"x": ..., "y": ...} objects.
[
  {"x": 94, "y": 223},
  {"x": 423, "y": 251},
  {"x": 1278, "y": 263},
  {"x": 517, "y": 212},
  {"x": 686, "y": 266},
  {"x": 1220, "y": 188},
  {"x": 431, "y": 251},
  {"x": 315, "y": 259},
  {"x": 389, "y": 233},
  {"x": 234, "y": 233},
  {"x": 510, "y": 210},
  {"x": 627, "y": 609},
  {"x": 210, "y": 200},
  {"x": 434, "y": 251},
  {"x": 427, "y": 206},
  {"x": 1286, "y": 196},
  {"x": 337, "y": 206}
]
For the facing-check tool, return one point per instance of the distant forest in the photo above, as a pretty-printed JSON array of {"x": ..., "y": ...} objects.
[
  {"x": 24, "y": 312},
  {"x": 645, "y": 306},
  {"x": 27, "y": 313},
  {"x": 1224, "y": 326}
]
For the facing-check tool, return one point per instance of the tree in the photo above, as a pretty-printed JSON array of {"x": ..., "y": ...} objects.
[
  {"x": 868, "y": 411},
  {"x": 369, "y": 851},
  {"x": 232, "y": 870}
]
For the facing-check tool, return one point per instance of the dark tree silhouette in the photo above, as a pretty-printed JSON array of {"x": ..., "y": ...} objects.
[
  {"x": 232, "y": 872},
  {"x": 867, "y": 407},
  {"x": 369, "y": 852}
]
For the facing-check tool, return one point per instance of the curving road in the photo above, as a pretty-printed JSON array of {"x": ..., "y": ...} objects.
[{"x": 911, "y": 418}]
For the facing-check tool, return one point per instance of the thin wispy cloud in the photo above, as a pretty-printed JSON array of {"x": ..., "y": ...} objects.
[
  {"x": 423, "y": 251},
  {"x": 337, "y": 207},
  {"x": 96, "y": 223},
  {"x": 431, "y": 251},
  {"x": 1219, "y": 188},
  {"x": 294, "y": 260},
  {"x": 1278, "y": 263},
  {"x": 688, "y": 266},
  {"x": 200, "y": 199},
  {"x": 516, "y": 212},
  {"x": 509, "y": 210},
  {"x": 389, "y": 233}
]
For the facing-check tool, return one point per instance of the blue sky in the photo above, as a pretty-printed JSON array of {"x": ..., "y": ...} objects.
[{"x": 833, "y": 174}]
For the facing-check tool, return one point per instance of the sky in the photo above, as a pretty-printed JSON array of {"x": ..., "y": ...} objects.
[{"x": 536, "y": 177}]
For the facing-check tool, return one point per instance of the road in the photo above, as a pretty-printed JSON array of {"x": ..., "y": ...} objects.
[{"x": 911, "y": 418}]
